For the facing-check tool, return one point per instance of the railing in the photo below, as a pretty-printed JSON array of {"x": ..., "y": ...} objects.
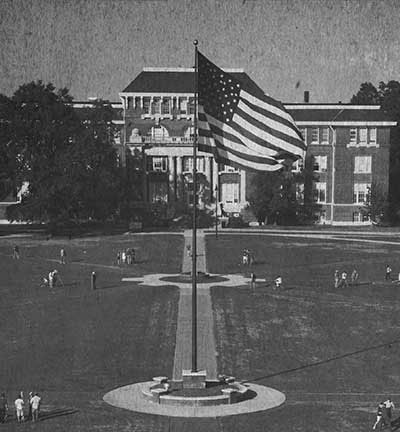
[{"x": 160, "y": 140}]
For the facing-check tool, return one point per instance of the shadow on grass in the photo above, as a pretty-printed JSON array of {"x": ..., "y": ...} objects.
[
  {"x": 329, "y": 360},
  {"x": 396, "y": 424},
  {"x": 47, "y": 415}
]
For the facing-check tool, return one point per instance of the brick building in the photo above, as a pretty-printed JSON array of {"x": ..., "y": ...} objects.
[{"x": 349, "y": 145}]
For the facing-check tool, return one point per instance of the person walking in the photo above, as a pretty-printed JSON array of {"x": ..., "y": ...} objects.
[
  {"x": 388, "y": 274},
  {"x": 19, "y": 408},
  {"x": 379, "y": 416},
  {"x": 336, "y": 278},
  {"x": 3, "y": 408},
  {"x": 35, "y": 404}
]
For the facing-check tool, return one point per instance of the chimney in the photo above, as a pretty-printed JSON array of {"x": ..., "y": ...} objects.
[{"x": 306, "y": 96}]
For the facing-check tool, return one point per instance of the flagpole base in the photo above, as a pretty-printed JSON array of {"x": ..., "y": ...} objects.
[{"x": 194, "y": 380}]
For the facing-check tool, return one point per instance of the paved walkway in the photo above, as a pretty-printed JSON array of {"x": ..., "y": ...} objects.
[{"x": 206, "y": 351}]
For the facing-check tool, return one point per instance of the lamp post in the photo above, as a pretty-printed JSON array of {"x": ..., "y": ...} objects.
[{"x": 216, "y": 211}]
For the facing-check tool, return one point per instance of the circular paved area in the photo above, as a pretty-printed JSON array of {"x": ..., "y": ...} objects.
[{"x": 130, "y": 397}]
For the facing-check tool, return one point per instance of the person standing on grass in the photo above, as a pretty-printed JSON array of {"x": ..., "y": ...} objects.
[
  {"x": 343, "y": 280},
  {"x": 389, "y": 406},
  {"x": 16, "y": 252},
  {"x": 35, "y": 403},
  {"x": 118, "y": 258},
  {"x": 19, "y": 408},
  {"x": 354, "y": 276},
  {"x": 337, "y": 278},
  {"x": 388, "y": 274},
  {"x": 3, "y": 408},
  {"x": 253, "y": 279},
  {"x": 278, "y": 282},
  {"x": 30, "y": 396},
  {"x": 63, "y": 256}
]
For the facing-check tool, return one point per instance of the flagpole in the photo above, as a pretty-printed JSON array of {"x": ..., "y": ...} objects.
[{"x": 194, "y": 234}]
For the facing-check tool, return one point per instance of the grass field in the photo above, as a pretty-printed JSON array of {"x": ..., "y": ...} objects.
[
  {"x": 334, "y": 353},
  {"x": 75, "y": 344}
]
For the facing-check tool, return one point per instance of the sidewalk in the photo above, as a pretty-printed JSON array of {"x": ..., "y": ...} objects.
[{"x": 206, "y": 351}]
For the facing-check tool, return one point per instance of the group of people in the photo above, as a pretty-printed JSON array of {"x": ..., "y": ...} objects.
[
  {"x": 248, "y": 258},
  {"x": 127, "y": 256},
  {"x": 52, "y": 279},
  {"x": 341, "y": 279},
  {"x": 34, "y": 401},
  {"x": 384, "y": 415}
]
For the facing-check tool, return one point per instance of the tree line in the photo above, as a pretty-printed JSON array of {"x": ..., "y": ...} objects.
[{"x": 65, "y": 161}]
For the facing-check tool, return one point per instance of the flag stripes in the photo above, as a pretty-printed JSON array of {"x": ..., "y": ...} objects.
[{"x": 241, "y": 129}]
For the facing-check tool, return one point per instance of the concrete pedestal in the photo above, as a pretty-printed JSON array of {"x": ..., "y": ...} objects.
[{"x": 194, "y": 380}]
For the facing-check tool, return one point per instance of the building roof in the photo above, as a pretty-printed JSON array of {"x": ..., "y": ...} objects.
[
  {"x": 337, "y": 114},
  {"x": 169, "y": 80}
]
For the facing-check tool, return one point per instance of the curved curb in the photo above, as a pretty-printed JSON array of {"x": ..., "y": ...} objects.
[{"x": 130, "y": 397}]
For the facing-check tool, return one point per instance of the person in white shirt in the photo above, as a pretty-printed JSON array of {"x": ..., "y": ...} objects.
[
  {"x": 19, "y": 407},
  {"x": 35, "y": 403}
]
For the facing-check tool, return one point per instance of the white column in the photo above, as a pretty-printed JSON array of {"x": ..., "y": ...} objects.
[
  {"x": 207, "y": 169},
  {"x": 242, "y": 199},
  {"x": 141, "y": 102},
  {"x": 171, "y": 176},
  {"x": 215, "y": 174}
]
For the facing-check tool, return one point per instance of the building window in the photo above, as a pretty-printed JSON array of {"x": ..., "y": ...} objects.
[
  {"x": 157, "y": 163},
  {"x": 298, "y": 165},
  {"x": 191, "y": 106},
  {"x": 137, "y": 102},
  {"x": 319, "y": 192},
  {"x": 227, "y": 168},
  {"x": 362, "y": 137},
  {"x": 189, "y": 134},
  {"x": 159, "y": 133},
  {"x": 303, "y": 132},
  {"x": 314, "y": 136},
  {"x": 130, "y": 102},
  {"x": 320, "y": 163},
  {"x": 165, "y": 106},
  {"x": 188, "y": 164},
  {"x": 230, "y": 193},
  {"x": 360, "y": 192},
  {"x": 362, "y": 164},
  {"x": 182, "y": 105},
  {"x": 324, "y": 135},
  {"x": 146, "y": 105},
  {"x": 156, "y": 106},
  {"x": 353, "y": 135},
  {"x": 158, "y": 192},
  {"x": 372, "y": 136}
]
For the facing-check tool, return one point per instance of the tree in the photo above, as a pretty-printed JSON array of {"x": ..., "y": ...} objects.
[
  {"x": 376, "y": 204},
  {"x": 368, "y": 94},
  {"x": 388, "y": 95},
  {"x": 68, "y": 162}
]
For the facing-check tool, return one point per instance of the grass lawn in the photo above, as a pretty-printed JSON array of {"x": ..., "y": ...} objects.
[
  {"x": 334, "y": 353},
  {"x": 74, "y": 345}
]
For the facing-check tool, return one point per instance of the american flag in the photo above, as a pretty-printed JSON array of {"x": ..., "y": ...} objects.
[{"x": 242, "y": 129}]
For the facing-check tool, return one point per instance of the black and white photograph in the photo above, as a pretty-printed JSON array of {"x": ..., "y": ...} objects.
[{"x": 199, "y": 215}]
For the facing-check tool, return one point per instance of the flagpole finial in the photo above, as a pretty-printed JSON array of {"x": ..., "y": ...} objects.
[{"x": 195, "y": 42}]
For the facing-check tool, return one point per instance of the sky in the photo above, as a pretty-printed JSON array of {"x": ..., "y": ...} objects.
[{"x": 97, "y": 47}]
